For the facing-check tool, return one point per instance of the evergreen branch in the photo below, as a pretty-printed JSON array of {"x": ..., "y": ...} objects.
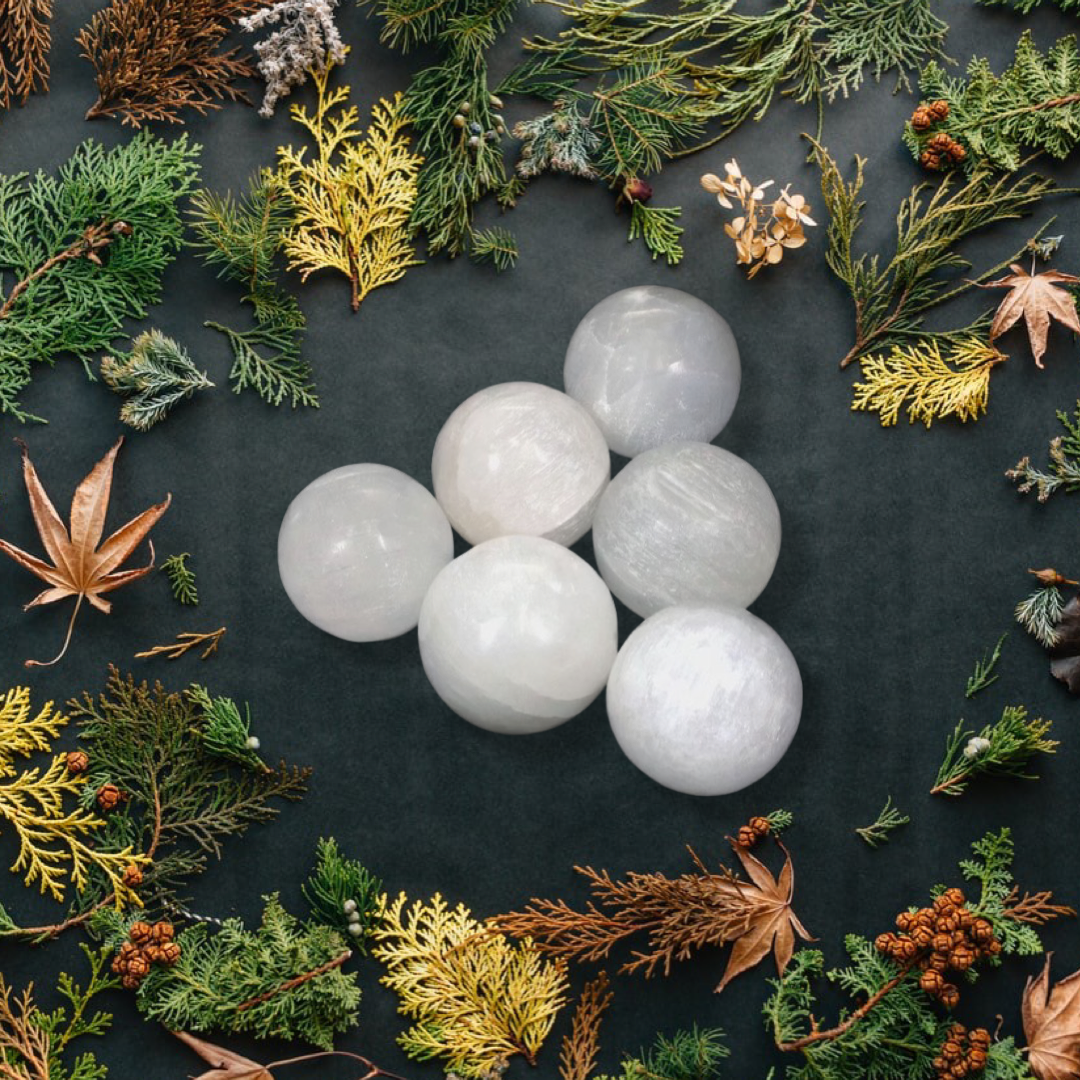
[
  {"x": 343, "y": 894},
  {"x": 184, "y": 643},
  {"x": 657, "y": 227},
  {"x": 181, "y": 579},
  {"x": 1004, "y": 748},
  {"x": 1064, "y": 467},
  {"x": 496, "y": 246},
  {"x": 694, "y": 1054},
  {"x": 889, "y": 819},
  {"x": 25, "y": 39},
  {"x": 1040, "y": 613},
  {"x": 295, "y": 982},
  {"x": 224, "y": 732},
  {"x": 983, "y": 675},
  {"x": 580, "y": 1046}
]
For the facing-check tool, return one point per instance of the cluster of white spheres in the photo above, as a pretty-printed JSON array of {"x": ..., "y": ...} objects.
[{"x": 519, "y": 634}]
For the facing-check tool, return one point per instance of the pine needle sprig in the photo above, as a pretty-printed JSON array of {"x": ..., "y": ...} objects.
[
  {"x": 226, "y": 733},
  {"x": 154, "y": 58},
  {"x": 65, "y": 297},
  {"x": 984, "y": 674},
  {"x": 495, "y": 245},
  {"x": 182, "y": 801},
  {"x": 887, "y": 821},
  {"x": 1064, "y": 466},
  {"x": 1040, "y": 613},
  {"x": 242, "y": 237},
  {"x": 1033, "y": 106},
  {"x": 154, "y": 377},
  {"x": 476, "y": 1000},
  {"x": 350, "y": 204},
  {"x": 656, "y": 225},
  {"x": 25, "y": 40},
  {"x": 1004, "y": 748},
  {"x": 891, "y": 297},
  {"x": 930, "y": 384},
  {"x": 181, "y": 579},
  {"x": 694, "y": 1054}
]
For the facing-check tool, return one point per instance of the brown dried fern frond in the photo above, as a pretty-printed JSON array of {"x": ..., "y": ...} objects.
[
  {"x": 25, "y": 37},
  {"x": 153, "y": 58}
]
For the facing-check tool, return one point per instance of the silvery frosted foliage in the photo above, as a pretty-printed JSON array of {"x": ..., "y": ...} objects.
[
  {"x": 654, "y": 365},
  {"x": 358, "y": 548},
  {"x": 518, "y": 635},
  {"x": 561, "y": 140},
  {"x": 306, "y": 38},
  {"x": 686, "y": 523},
  {"x": 520, "y": 459},
  {"x": 704, "y": 699}
]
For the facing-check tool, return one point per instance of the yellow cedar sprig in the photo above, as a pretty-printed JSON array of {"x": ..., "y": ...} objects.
[
  {"x": 932, "y": 385},
  {"x": 353, "y": 198},
  {"x": 55, "y": 845},
  {"x": 477, "y": 999}
]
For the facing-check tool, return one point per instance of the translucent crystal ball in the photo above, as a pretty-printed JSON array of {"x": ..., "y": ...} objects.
[
  {"x": 686, "y": 523},
  {"x": 654, "y": 365},
  {"x": 358, "y": 548},
  {"x": 704, "y": 699},
  {"x": 520, "y": 459},
  {"x": 518, "y": 635}
]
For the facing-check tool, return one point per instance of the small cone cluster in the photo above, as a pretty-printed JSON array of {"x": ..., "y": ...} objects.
[
  {"x": 756, "y": 829},
  {"x": 963, "y": 1053},
  {"x": 940, "y": 940},
  {"x": 146, "y": 945}
]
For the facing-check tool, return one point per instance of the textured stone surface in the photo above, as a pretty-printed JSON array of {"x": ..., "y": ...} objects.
[
  {"x": 518, "y": 635},
  {"x": 654, "y": 365},
  {"x": 520, "y": 459},
  {"x": 686, "y": 523},
  {"x": 704, "y": 699},
  {"x": 358, "y": 548}
]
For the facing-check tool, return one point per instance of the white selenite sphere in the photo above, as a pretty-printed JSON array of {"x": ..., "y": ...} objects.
[
  {"x": 518, "y": 635},
  {"x": 686, "y": 523},
  {"x": 520, "y": 459},
  {"x": 704, "y": 699},
  {"x": 654, "y": 365},
  {"x": 358, "y": 548}
]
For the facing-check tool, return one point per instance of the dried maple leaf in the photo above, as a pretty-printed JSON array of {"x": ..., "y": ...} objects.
[
  {"x": 223, "y": 1063},
  {"x": 1065, "y": 655},
  {"x": 1035, "y": 299},
  {"x": 772, "y": 924},
  {"x": 80, "y": 567},
  {"x": 1052, "y": 1025}
]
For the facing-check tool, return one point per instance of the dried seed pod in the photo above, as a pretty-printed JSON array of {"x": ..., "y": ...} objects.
[
  {"x": 939, "y": 110},
  {"x": 170, "y": 953},
  {"x": 949, "y": 996},
  {"x": 132, "y": 876},
  {"x": 140, "y": 933},
  {"x": 108, "y": 797},
  {"x": 931, "y": 982},
  {"x": 162, "y": 932},
  {"x": 77, "y": 761},
  {"x": 761, "y": 825}
]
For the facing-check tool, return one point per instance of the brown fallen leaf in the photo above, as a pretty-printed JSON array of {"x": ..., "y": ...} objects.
[
  {"x": 79, "y": 567},
  {"x": 1052, "y": 1025},
  {"x": 1035, "y": 299}
]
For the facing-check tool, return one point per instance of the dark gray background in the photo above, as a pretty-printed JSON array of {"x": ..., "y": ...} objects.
[{"x": 904, "y": 553}]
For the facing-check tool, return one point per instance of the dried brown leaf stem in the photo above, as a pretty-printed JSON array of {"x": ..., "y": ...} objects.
[{"x": 1035, "y": 908}]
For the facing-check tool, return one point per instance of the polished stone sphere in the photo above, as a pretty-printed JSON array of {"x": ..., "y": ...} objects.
[
  {"x": 358, "y": 548},
  {"x": 654, "y": 365},
  {"x": 520, "y": 459},
  {"x": 518, "y": 635},
  {"x": 704, "y": 699},
  {"x": 686, "y": 523}
]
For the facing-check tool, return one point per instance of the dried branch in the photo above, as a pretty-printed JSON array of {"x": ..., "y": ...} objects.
[
  {"x": 184, "y": 643},
  {"x": 25, "y": 38},
  {"x": 1035, "y": 908},
  {"x": 581, "y": 1045}
]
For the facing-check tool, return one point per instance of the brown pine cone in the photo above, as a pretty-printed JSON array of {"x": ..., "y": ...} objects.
[
  {"x": 966, "y": 919},
  {"x": 958, "y": 1070},
  {"x": 938, "y": 962},
  {"x": 941, "y": 142},
  {"x": 906, "y": 921},
  {"x": 162, "y": 932},
  {"x": 949, "y": 996},
  {"x": 948, "y": 924},
  {"x": 923, "y": 936},
  {"x": 905, "y": 949},
  {"x": 939, "y": 110},
  {"x": 930, "y": 160},
  {"x": 77, "y": 761},
  {"x": 931, "y": 982},
  {"x": 922, "y": 118},
  {"x": 131, "y": 982},
  {"x": 994, "y": 947},
  {"x": 951, "y": 1050},
  {"x": 108, "y": 797},
  {"x": 884, "y": 943},
  {"x": 139, "y": 966},
  {"x": 977, "y": 1059},
  {"x": 132, "y": 876},
  {"x": 170, "y": 953},
  {"x": 957, "y": 152},
  {"x": 940, "y": 1065},
  {"x": 953, "y": 896},
  {"x": 982, "y": 931},
  {"x": 128, "y": 949},
  {"x": 761, "y": 826},
  {"x": 747, "y": 838},
  {"x": 979, "y": 1037},
  {"x": 119, "y": 965},
  {"x": 140, "y": 933},
  {"x": 942, "y": 943},
  {"x": 961, "y": 958},
  {"x": 925, "y": 917}
]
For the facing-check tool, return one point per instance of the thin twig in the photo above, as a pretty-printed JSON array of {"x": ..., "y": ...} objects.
[{"x": 292, "y": 984}]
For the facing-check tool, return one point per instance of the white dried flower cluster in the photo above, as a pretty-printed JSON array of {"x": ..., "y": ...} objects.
[
  {"x": 976, "y": 746},
  {"x": 307, "y": 40}
]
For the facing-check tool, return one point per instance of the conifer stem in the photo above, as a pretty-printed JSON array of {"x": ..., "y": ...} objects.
[
  {"x": 292, "y": 984},
  {"x": 816, "y": 1036}
]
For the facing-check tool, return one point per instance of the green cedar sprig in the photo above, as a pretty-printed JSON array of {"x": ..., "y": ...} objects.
[
  {"x": 657, "y": 226},
  {"x": 1033, "y": 105},
  {"x": 85, "y": 250},
  {"x": 984, "y": 674},
  {"x": 343, "y": 893},
  {"x": 1064, "y": 466},
  {"x": 1040, "y": 613},
  {"x": 182, "y": 798},
  {"x": 181, "y": 579},
  {"x": 892, "y": 1028},
  {"x": 156, "y": 375},
  {"x": 1004, "y": 748},
  {"x": 224, "y": 732},
  {"x": 779, "y": 820},
  {"x": 694, "y": 1054},
  {"x": 241, "y": 236},
  {"x": 892, "y": 297},
  {"x": 1025, "y": 7},
  {"x": 283, "y": 980},
  {"x": 887, "y": 821}
]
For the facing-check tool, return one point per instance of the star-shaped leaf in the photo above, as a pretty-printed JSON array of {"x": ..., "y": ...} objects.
[
  {"x": 772, "y": 925},
  {"x": 1052, "y": 1025},
  {"x": 82, "y": 565},
  {"x": 1036, "y": 299}
]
